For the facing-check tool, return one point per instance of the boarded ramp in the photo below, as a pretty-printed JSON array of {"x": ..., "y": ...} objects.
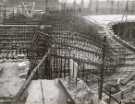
[
  {"x": 59, "y": 92},
  {"x": 46, "y": 92}
]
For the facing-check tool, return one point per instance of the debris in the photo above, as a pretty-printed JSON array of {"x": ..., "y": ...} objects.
[{"x": 81, "y": 93}]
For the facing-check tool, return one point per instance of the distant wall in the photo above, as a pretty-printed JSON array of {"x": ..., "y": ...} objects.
[
  {"x": 111, "y": 7},
  {"x": 91, "y": 6}
]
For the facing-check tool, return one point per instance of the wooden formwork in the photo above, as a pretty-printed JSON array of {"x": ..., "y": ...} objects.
[
  {"x": 70, "y": 47},
  {"x": 77, "y": 51},
  {"x": 15, "y": 40}
]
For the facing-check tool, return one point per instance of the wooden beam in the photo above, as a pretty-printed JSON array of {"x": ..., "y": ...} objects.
[{"x": 28, "y": 81}]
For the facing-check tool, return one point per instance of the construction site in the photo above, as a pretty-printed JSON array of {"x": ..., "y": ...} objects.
[{"x": 67, "y": 52}]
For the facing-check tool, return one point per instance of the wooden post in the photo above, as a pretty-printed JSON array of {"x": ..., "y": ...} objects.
[
  {"x": 42, "y": 91},
  {"x": 101, "y": 80},
  {"x": 110, "y": 93}
]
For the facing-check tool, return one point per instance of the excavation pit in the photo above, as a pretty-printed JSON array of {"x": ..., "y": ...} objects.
[{"x": 125, "y": 30}]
